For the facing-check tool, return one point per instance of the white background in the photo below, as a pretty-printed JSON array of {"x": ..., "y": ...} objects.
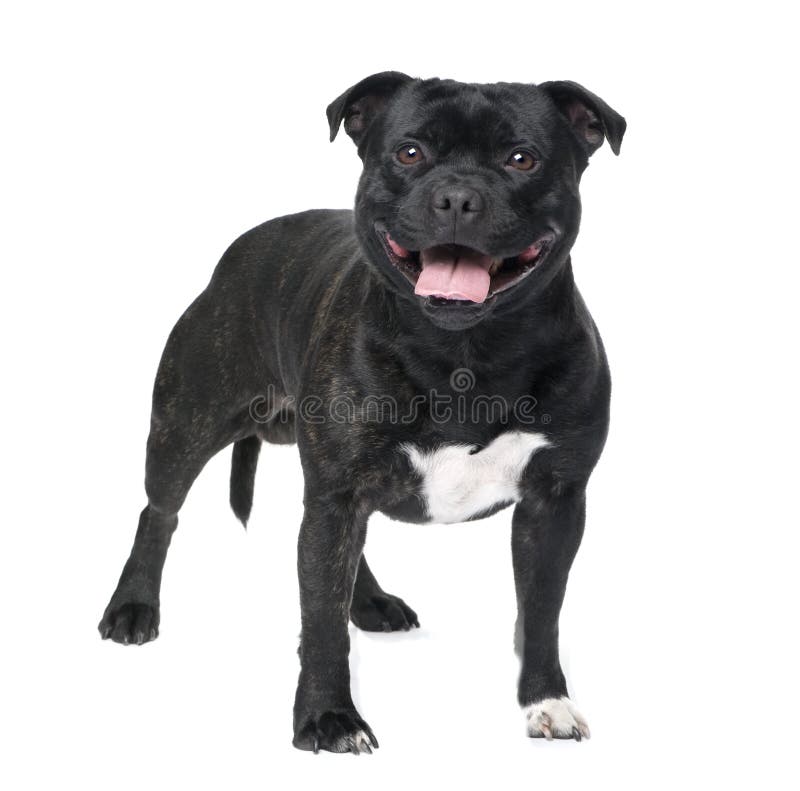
[{"x": 138, "y": 140}]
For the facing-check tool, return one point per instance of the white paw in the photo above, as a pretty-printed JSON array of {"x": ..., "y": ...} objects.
[{"x": 556, "y": 718}]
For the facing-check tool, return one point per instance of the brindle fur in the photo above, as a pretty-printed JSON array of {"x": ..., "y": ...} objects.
[{"x": 308, "y": 307}]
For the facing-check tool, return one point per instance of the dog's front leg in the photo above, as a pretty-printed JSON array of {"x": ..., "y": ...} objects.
[
  {"x": 331, "y": 540},
  {"x": 546, "y": 532}
]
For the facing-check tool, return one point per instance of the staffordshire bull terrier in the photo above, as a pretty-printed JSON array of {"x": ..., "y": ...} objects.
[{"x": 430, "y": 355}]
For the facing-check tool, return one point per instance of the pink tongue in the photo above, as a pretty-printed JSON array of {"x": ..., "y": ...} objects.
[{"x": 454, "y": 273}]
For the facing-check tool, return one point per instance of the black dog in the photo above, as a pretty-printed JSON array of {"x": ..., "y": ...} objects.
[{"x": 430, "y": 355}]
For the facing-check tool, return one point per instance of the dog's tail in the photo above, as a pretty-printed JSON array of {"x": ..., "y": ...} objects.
[{"x": 243, "y": 476}]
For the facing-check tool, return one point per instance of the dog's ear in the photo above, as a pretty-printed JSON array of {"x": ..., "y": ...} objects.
[
  {"x": 358, "y": 106},
  {"x": 590, "y": 117}
]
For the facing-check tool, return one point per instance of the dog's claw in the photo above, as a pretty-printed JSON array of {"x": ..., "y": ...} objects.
[
  {"x": 132, "y": 623},
  {"x": 576, "y": 734},
  {"x": 335, "y": 731},
  {"x": 371, "y": 735}
]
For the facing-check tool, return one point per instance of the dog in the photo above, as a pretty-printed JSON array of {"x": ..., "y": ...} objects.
[{"x": 430, "y": 355}]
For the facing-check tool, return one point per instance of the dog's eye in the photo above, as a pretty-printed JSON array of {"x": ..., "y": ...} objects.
[
  {"x": 410, "y": 155},
  {"x": 522, "y": 160}
]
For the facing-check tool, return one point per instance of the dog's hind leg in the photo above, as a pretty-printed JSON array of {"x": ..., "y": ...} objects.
[
  {"x": 174, "y": 459},
  {"x": 196, "y": 413},
  {"x": 374, "y": 610}
]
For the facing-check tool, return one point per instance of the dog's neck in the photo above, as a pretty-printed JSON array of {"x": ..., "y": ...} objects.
[{"x": 513, "y": 335}]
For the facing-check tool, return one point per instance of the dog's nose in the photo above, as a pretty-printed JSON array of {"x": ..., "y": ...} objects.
[{"x": 463, "y": 203}]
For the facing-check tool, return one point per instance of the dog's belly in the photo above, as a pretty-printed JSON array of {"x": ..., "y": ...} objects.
[{"x": 460, "y": 482}]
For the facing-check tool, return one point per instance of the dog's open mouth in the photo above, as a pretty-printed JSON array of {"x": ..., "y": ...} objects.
[{"x": 453, "y": 273}]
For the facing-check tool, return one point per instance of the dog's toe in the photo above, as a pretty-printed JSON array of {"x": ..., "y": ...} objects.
[
  {"x": 336, "y": 732},
  {"x": 130, "y": 623},
  {"x": 383, "y": 613},
  {"x": 556, "y": 718}
]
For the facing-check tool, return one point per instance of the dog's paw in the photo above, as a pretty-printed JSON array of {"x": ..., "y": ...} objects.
[
  {"x": 130, "y": 623},
  {"x": 556, "y": 718},
  {"x": 337, "y": 732},
  {"x": 382, "y": 613}
]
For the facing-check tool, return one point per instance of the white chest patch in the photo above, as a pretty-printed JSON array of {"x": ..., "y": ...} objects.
[{"x": 458, "y": 484}]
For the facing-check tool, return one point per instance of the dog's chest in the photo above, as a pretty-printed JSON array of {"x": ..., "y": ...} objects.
[{"x": 459, "y": 482}]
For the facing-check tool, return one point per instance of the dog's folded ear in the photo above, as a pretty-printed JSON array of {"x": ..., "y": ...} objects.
[
  {"x": 358, "y": 106},
  {"x": 590, "y": 117}
]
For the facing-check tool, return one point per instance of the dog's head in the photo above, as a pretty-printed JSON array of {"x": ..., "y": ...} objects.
[{"x": 468, "y": 201}]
